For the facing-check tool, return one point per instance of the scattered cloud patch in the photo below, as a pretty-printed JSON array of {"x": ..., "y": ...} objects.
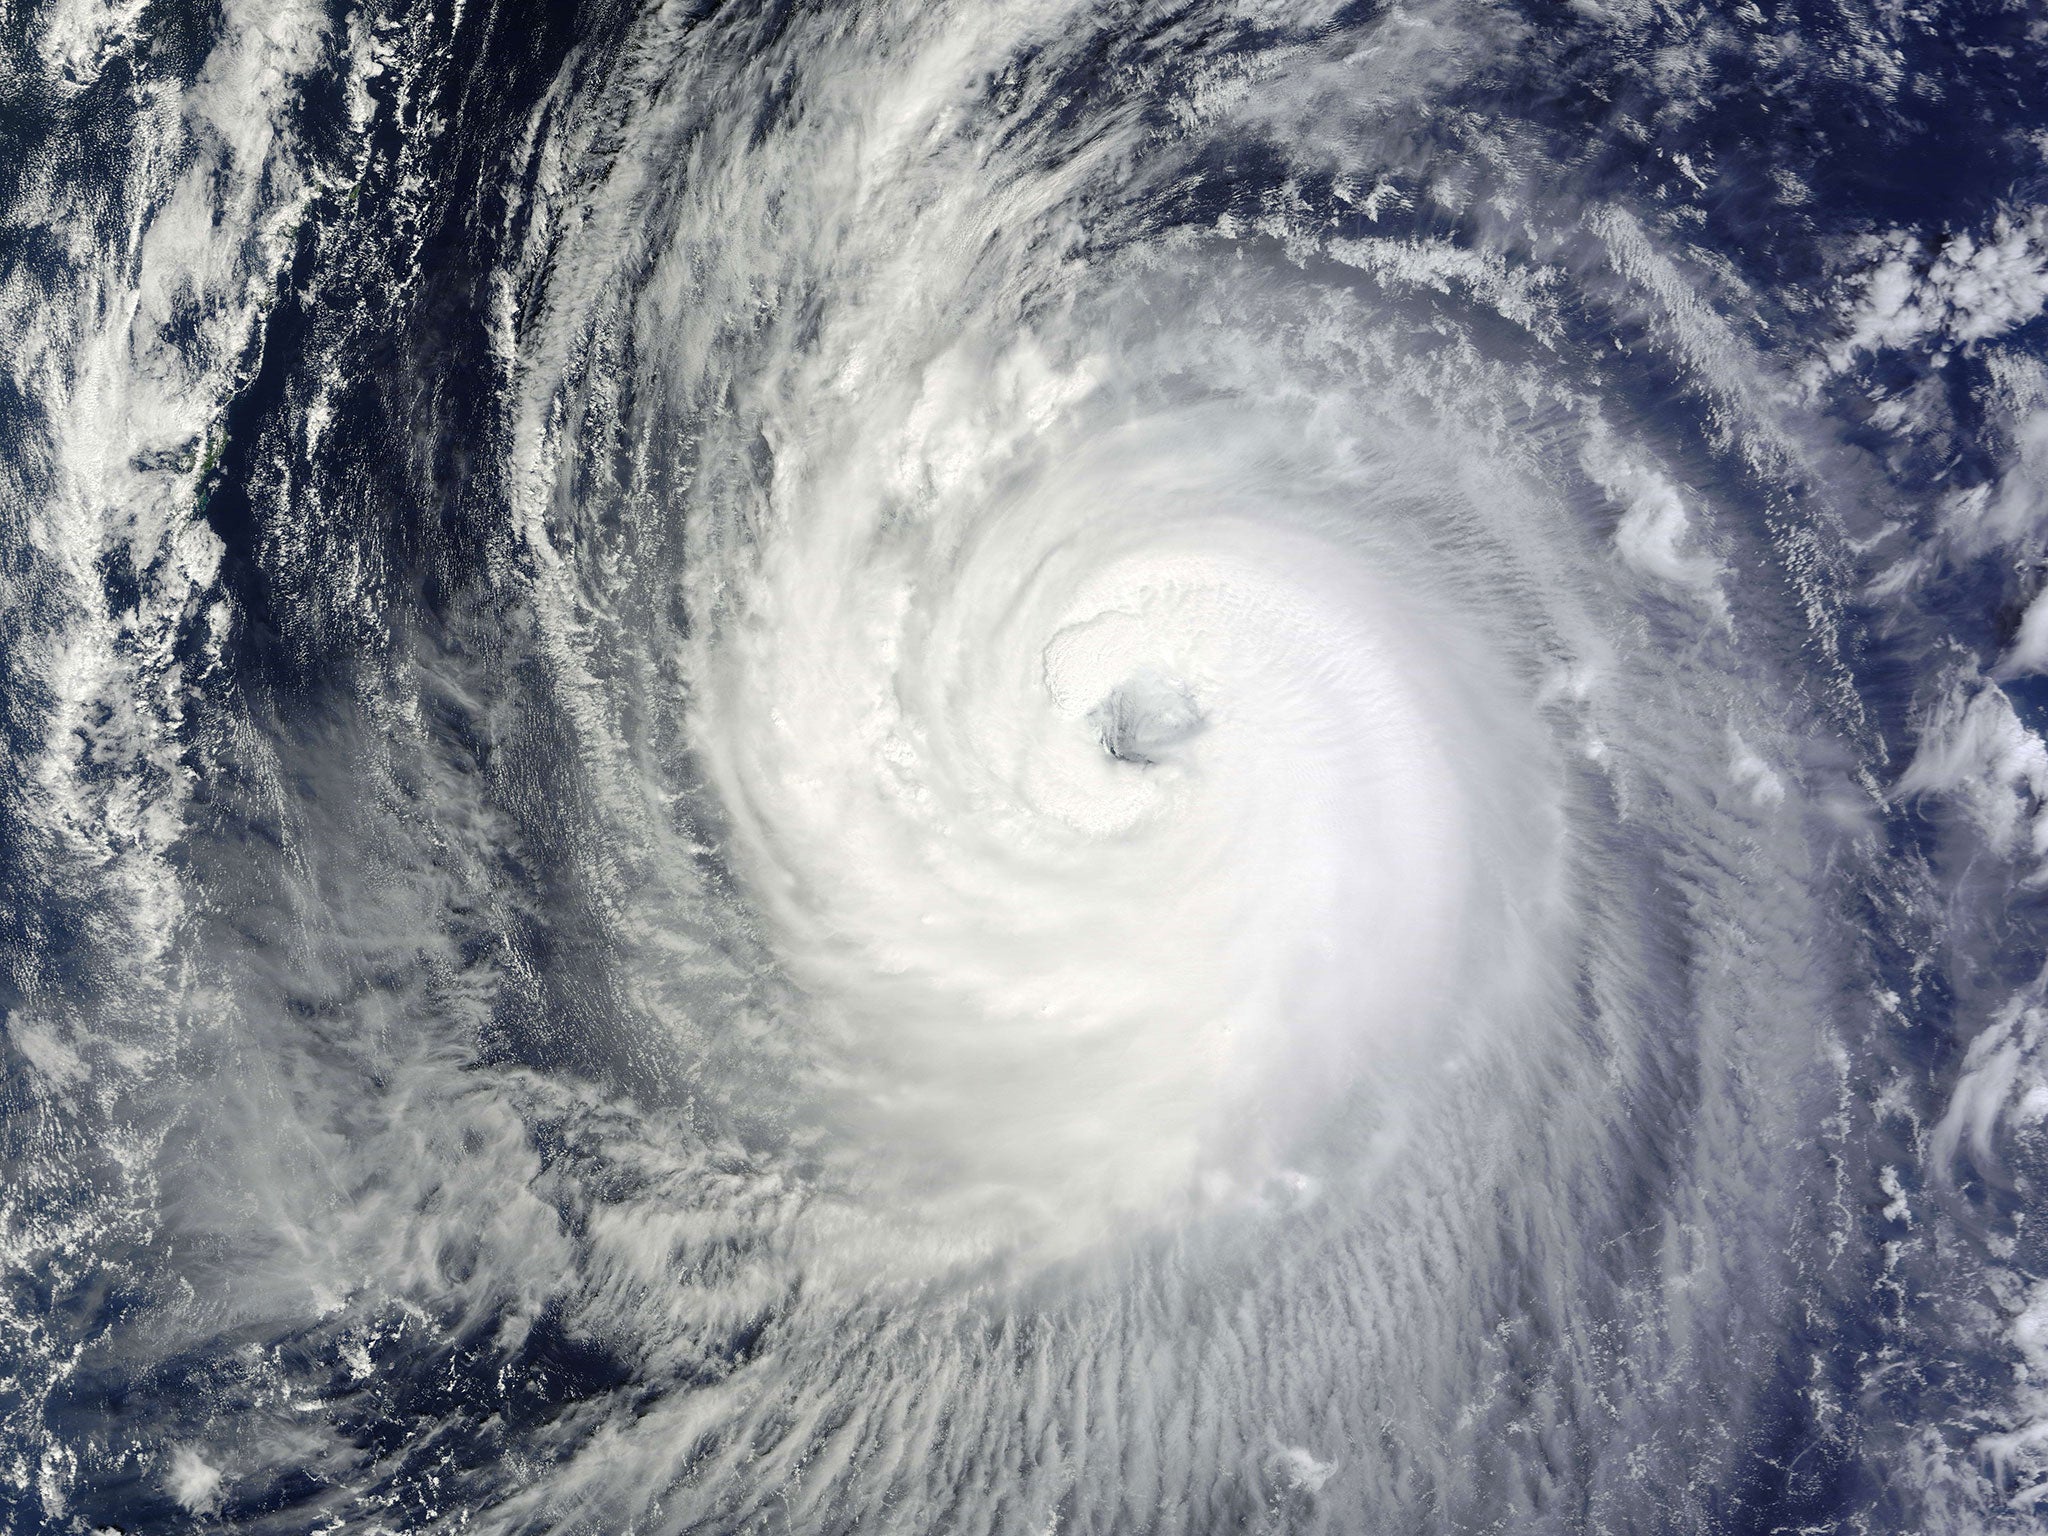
[
  {"x": 1301, "y": 1471},
  {"x": 1753, "y": 775},
  {"x": 80, "y": 38},
  {"x": 193, "y": 1481},
  {"x": 2004, "y": 1061},
  {"x": 1655, "y": 534},
  {"x": 56, "y": 1063},
  {"x": 2003, "y": 1086},
  {"x": 2013, "y": 506},
  {"x": 1965, "y": 290},
  {"x": 1975, "y": 752}
]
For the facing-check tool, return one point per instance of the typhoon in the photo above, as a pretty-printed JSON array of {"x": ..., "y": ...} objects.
[{"x": 1023, "y": 766}]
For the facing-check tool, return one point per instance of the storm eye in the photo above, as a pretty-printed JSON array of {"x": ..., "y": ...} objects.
[{"x": 1144, "y": 718}]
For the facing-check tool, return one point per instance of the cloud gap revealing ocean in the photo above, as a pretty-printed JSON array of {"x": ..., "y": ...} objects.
[{"x": 1024, "y": 767}]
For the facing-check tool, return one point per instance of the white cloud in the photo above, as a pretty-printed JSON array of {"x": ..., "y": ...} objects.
[
  {"x": 1301, "y": 1471},
  {"x": 2004, "y": 1081},
  {"x": 1975, "y": 751},
  {"x": 1969, "y": 289},
  {"x": 57, "y": 1063},
  {"x": 193, "y": 1481},
  {"x": 1655, "y": 534}
]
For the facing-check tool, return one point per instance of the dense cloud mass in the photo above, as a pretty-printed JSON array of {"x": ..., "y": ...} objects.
[{"x": 1024, "y": 767}]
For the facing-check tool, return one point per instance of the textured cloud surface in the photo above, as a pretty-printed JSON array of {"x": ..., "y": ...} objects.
[{"x": 1024, "y": 768}]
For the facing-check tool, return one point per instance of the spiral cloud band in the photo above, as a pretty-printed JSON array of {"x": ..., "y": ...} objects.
[{"x": 967, "y": 767}]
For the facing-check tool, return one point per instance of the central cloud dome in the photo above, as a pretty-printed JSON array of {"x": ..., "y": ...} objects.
[{"x": 1110, "y": 804}]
